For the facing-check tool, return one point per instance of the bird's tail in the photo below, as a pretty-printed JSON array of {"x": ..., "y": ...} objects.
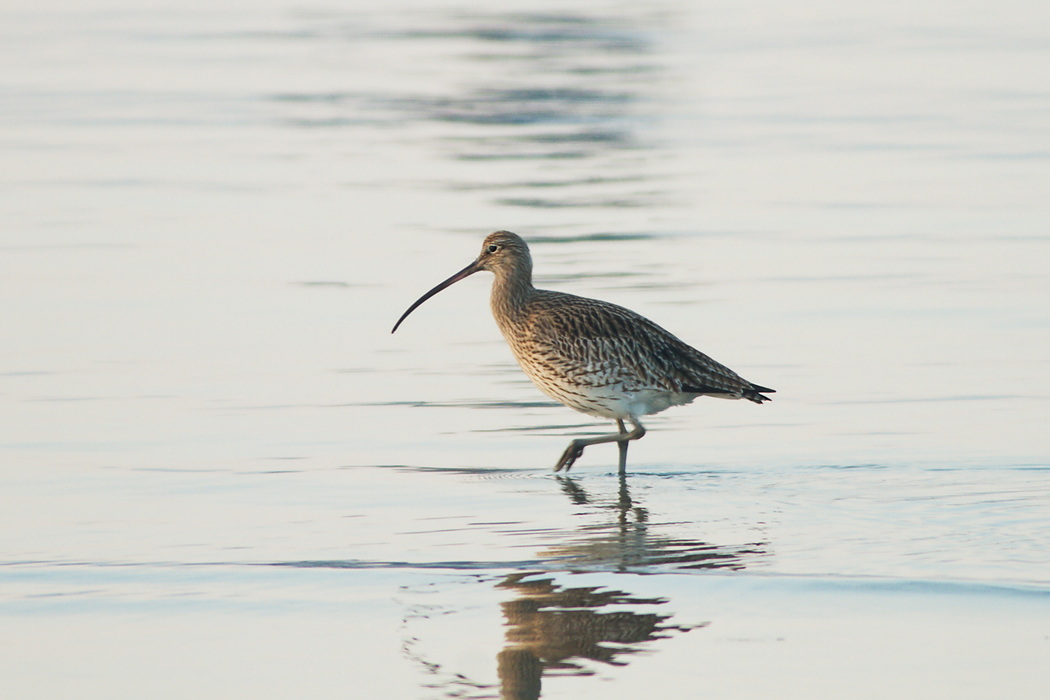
[{"x": 755, "y": 393}]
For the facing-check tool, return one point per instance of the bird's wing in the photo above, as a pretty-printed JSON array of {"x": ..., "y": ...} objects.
[{"x": 599, "y": 342}]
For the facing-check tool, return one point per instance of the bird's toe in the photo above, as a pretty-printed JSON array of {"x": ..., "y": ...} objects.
[{"x": 571, "y": 454}]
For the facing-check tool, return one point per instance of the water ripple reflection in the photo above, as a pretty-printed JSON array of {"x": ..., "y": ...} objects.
[
  {"x": 608, "y": 533},
  {"x": 531, "y": 88}
]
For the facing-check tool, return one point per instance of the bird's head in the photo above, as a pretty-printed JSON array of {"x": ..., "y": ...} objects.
[{"x": 503, "y": 253}]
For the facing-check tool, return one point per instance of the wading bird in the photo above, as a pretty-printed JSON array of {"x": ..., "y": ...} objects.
[{"x": 593, "y": 356}]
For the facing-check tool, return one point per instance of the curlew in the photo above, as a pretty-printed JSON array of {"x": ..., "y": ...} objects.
[{"x": 593, "y": 356}]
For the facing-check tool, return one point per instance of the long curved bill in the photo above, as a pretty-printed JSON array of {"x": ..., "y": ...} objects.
[{"x": 462, "y": 274}]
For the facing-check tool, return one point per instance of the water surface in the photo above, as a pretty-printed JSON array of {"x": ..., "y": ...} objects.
[{"x": 223, "y": 477}]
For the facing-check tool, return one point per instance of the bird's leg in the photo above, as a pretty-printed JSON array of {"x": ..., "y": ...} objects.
[
  {"x": 575, "y": 448},
  {"x": 622, "y": 444},
  {"x": 626, "y": 438}
]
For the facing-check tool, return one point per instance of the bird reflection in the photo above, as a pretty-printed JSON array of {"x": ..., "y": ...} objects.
[
  {"x": 629, "y": 542},
  {"x": 553, "y": 629}
]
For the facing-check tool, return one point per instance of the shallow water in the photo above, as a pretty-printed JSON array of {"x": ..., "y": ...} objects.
[{"x": 223, "y": 476}]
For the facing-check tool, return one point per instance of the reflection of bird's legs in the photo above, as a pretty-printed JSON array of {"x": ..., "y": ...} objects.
[
  {"x": 625, "y": 503},
  {"x": 575, "y": 448},
  {"x": 572, "y": 489}
]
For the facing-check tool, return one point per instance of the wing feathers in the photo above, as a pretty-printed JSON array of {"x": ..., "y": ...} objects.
[{"x": 591, "y": 337}]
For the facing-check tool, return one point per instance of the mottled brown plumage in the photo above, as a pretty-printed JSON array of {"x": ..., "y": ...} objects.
[{"x": 598, "y": 358}]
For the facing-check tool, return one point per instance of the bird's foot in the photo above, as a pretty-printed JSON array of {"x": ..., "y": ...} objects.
[{"x": 571, "y": 454}]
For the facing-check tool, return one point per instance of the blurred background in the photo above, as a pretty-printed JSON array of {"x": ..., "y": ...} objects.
[{"x": 221, "y": 475}]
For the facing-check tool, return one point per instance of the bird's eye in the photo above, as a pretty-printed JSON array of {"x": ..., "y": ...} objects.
[{"x": 493, "y": 248}]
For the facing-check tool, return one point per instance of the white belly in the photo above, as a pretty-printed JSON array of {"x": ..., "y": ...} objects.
[{"x": 608, "y": 400}]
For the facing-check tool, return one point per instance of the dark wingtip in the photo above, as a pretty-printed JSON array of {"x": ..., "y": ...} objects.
[{"x": 755, "y": 393}]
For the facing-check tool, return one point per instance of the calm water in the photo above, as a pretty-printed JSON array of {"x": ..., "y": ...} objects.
[{"x": 221, "y": 475}]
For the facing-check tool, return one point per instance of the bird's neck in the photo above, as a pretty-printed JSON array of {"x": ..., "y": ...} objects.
[{"x": 510, "y": 293}]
